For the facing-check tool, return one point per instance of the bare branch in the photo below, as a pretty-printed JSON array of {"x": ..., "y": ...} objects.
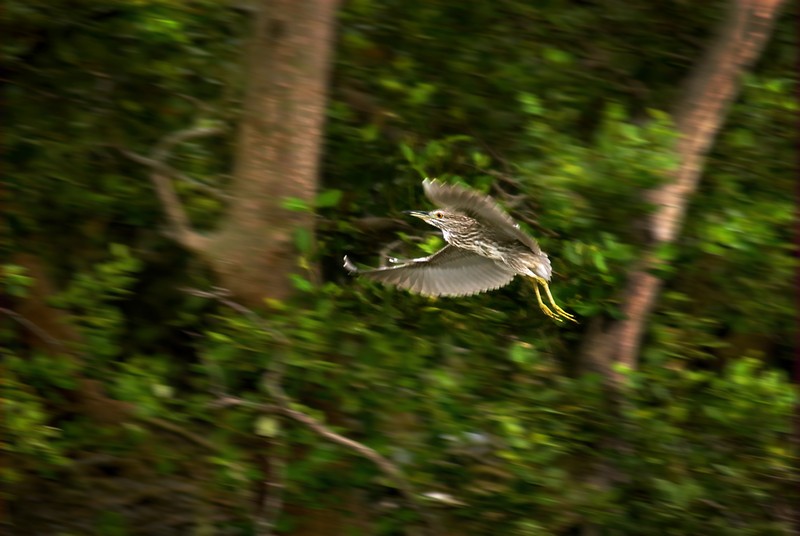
[
  {"x": 272, "y": 504},
  {"x": 179, "y": 430},
  {"x": 164, "y": 147},
  {"x": 222, "y": 295},
  {"x": 35, "y": 329},
  {"x": 514, "y": 201},
  {"x": 374, "y": 456},
  {"x": 181, "y": 229},
  {"x": 166, "y": 169},
  {"x": 383, "y": 463},
  {"x": 284, "y": 406}
]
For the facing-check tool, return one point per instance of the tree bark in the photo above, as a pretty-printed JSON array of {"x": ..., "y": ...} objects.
[
  {"x": 700, "y": 114},
  {"x": 278, "y": 149},
  {"x": 277, "y": 153}
]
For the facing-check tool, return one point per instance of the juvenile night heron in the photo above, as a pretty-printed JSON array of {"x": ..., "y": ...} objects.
[{"x": 485, "y": 250}]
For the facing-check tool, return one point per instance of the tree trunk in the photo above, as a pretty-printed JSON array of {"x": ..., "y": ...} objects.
[
  {"x": 277, "y": 155},
  {"x": 709, "y": 92},
  {"x": 278, "y": 149}
]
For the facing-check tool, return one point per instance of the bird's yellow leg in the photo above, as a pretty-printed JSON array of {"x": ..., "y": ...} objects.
[
  {"x": 545, "y": 309},
  {"x": 558, "y": 309}
]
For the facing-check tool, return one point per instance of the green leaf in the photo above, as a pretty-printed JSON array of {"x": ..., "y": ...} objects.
[
  {"x": 408, "y": 153},
  {"x": 600, "y": 261},
  {"x": 667, "y": 252},
  {"x": 522, "y": 353},
  {"x": 531, "y": 104},
  {"x": 303, "y": 240},
  {"x": 295, "y": 204},
  {"x": 481, "y": 160},
  {"x": 119, "y": 250},
  {"x": 328, "y": 198},
  {"x": 556, "y": 56},
  {"x": 267, "y": 426},
  {"x": 301, "y": 283}
]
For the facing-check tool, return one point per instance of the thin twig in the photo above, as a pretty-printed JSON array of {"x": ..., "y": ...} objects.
[
  {"x": 222, "y": 295},
  {"x": 35, "y": 90},
  {"x": 383, "y": 463},
  {"x": 201, "y": 105},
  {"x": 164, "y": 147},
  {"x": 513, "y": 201},
  {"x": 272, "y": 504},
  {"x": 283, "y": 406},
  {"x": 269, "y": 511},
  {"x": 372, "y": 455},
  {"x": 179, "y": 430},
  {"x": 35, "y": 329},
  {"x": 502, "y": 176},
  {"x": 166, "y": 169}
]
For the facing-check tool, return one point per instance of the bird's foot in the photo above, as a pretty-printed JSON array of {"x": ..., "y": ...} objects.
[
  {"x": 560, "y": 314},
  {"x": 546, "y": 310},
  {"x": 563, "y": 313}
]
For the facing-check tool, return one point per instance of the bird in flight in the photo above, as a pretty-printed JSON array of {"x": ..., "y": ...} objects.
[{"x": 485, "y": 250}]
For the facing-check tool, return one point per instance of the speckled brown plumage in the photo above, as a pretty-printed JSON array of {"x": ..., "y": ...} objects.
[{"x": 485, "y": 250}]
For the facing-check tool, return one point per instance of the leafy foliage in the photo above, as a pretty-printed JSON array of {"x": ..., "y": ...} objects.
[{"x": 558, "y": 109}]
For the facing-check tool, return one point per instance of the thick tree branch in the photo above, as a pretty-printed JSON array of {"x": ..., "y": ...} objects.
[
  {"x": 160, "y": 174},
  {"x": 708, "y": 94}
]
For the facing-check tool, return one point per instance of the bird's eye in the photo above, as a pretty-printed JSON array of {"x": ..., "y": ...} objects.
[{"x": 439, "y": 215}]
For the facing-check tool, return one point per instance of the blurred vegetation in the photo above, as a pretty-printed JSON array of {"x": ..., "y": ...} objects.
[{"x": 111, "y": 423}]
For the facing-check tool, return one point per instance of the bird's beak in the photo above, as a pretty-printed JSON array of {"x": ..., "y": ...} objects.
[{"x": 418, "y": 213}]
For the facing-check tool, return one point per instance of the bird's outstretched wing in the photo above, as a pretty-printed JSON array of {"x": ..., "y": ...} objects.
[
  {"x": 451, "y": 271},
  {"x": 479, "y": 206}
]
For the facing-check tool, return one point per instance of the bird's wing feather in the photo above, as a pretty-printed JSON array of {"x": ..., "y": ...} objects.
[
  {"x": 481, "y": 207},
  {"x": 451, "y": 271}
]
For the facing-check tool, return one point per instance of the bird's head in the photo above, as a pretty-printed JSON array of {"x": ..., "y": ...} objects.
[{"x": 447, "y": 220}]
